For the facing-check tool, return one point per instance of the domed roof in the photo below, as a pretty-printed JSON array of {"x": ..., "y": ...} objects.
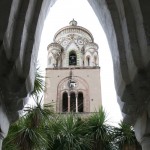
[{"x": 73, "y": 28}]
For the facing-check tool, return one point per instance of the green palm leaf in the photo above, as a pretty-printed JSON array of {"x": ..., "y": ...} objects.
[
  {"x": 100, "y": 131},
  {"x": 38, "y": 83},
  {"x": 70, "y": 134},
  {"x": 125, "y": 137},
  {"x": 28, "y": 133}
]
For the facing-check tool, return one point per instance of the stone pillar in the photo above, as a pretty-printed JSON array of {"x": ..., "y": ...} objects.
[
  {"x": 142, "y": 129},
  {"x": 68, "y": 103},
  {"x": 4, "y": 125},
  {"x": 0, "y": 144},
  {"x": 92, "y": 62},
  {"x": 145, "y": 143},
  {"x": 76, "y": 103}
]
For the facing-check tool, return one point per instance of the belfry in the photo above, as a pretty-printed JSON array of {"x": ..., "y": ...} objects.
[{"x": 73, "y": 72}]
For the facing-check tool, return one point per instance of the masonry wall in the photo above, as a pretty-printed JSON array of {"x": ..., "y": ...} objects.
[{"x": 90, "y": 76}]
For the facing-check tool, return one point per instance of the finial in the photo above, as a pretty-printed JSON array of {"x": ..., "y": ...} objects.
[{"x": 73, "y": 23}]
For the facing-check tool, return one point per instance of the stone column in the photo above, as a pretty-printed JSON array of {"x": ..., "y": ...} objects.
[
  {"x": 76, "y": 103},
  {"x": 142, "y": 130},
  {"x": 4, "y": 125},
  {"x": 68, "y": 103},
  {"x": 92, "y": 61},
  {"x": 145, "y": 143}
]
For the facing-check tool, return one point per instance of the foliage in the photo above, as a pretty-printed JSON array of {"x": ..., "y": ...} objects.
[
  {"x": 100, "y": 131},
  {"x": 70, "y": 133},
  {"x": 124, "y": 137},
  {"x": 41, "y": 129},
  {"x": 38, "y": 83},
  {"x": 28, "y": 132}
]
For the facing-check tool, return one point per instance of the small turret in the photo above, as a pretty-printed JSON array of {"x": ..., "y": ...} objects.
[
  {"x": 91, "y": 54},
  {"x": 54, "y": 55}
]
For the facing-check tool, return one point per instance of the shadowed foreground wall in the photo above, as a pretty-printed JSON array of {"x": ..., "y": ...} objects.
[{"x": 127, "y": 27}]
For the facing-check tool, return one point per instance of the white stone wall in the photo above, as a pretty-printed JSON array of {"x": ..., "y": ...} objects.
[{"x": 73, "y": 38}]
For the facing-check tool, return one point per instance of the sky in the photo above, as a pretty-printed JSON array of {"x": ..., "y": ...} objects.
[{"x": 60, "y": 14}]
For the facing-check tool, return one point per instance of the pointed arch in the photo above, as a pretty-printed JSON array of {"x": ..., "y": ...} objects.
[{"x": 88, "y": 60}]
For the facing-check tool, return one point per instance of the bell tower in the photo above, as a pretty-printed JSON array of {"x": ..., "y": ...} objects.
[{"x": 73, "y": 72}]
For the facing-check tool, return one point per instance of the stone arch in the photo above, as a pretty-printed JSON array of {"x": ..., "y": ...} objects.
[
  {"x": 113, "y": 28},
  {"x": 126, "y": 32},
  {"x": 123, "y": 45},
  {"x": 76, "y": 50},
  {"x": 82, "y": 87}
]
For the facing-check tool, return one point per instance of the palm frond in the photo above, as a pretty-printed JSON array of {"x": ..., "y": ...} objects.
[
  {"x": 100, "y": 131},
  {"x": 124, "y": 136},
  {"x": 38, "y": 83},
  {"x": 70, "y": 134}
]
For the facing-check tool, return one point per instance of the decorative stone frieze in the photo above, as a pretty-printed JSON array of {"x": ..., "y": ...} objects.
[{"x": 91, "y": 47}]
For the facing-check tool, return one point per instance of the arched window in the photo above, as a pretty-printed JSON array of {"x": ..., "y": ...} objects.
[
  {"x": 72, "y": 102},
  {"x": 80, "y": 102},
  {"x": 72, "y": 58},
  {"x": 88, "y": 60},
  {"x": 65, "y": 102},
  {"x": 57, "y": 60}
]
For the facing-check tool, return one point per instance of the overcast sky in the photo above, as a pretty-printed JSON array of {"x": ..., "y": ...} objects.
[{"x": 62, "y": 12}]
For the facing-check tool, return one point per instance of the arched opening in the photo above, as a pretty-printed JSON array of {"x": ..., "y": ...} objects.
[
  {"x": 80, "y": 102},
  {"x": 51, "y": 26},
  {"x": 88, "y": 60},
  {"x": 72, "y": 102},
  {"x": 72, "y": 58},
  {"x": 65, "y": 102}
]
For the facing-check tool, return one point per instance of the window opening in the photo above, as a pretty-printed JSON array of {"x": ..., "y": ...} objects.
[
  {"x": 72, "y": 58},
  {"x": 65, "y": 102},
  {"x": 80, "y": 102},
  {"x": 88, "y": 61}
]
